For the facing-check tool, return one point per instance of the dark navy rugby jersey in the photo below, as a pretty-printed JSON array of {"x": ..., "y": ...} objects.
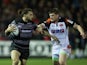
[{"x": 25, "y": 32}]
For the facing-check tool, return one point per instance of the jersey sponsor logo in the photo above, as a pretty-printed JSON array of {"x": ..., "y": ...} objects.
[
  {"x": 61, "y": 25},
  {"x": 58, "y": 31},
  {"x": 26, "y": 30},
  {"x": 19, "y": 26}
]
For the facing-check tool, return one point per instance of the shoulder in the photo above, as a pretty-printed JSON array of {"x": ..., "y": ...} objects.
[
  {"x": 62, "y": 19},
  {"x": 66, "y": 20},
  {"x": 18, "y": 19}
]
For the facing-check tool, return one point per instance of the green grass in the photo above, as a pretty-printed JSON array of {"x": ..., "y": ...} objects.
[{"x": 43, "y": 61}]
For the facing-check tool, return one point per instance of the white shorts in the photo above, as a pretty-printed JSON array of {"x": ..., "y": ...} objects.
[{"x": 57, "y": 49}]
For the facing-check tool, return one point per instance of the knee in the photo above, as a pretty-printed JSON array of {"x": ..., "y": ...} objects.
[
  {"x": 24, "y": 62},
  {"x": 15, "y": 61},
  {"x": 62, "y": 63}
]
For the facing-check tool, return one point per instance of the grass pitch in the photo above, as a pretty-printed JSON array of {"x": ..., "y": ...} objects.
[{"x": 45, "y": 61}]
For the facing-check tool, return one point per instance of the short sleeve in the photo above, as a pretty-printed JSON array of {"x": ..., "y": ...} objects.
[
  {"x": 47, "y": 22},
  {"x": 69, "y": 22}
]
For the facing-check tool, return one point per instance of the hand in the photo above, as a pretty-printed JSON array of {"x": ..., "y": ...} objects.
[
  {"x": 39, "y": 29},
  {"x": 55, "y": 39},
  {"x": 11, "y": 28},
  {"x": 42, "y": 25},
  {"x": 83, "y": 35}
]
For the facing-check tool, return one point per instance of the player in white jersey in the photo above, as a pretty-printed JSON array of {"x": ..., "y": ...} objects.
[{"x": 58, "y": 27}]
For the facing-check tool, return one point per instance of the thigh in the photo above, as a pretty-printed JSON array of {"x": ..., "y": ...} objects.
[
  {"x": 62, "y": 55},
  {"x": 15, "y": 55},
  {"x": 55, "y": 53},
  {"x": 24, "y": 54}
]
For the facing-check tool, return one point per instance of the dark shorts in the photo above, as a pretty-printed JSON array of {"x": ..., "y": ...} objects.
[{"x": 24, "y": 52}]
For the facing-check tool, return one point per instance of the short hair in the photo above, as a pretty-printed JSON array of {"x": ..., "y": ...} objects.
[
  {"x": 21, "y": 12},
  {"x": 54, "y": 10}
]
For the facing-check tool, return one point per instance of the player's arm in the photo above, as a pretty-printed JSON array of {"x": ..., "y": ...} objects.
[
  {"x": 76, "y": 26},
  {"x": 42, "y": 29},
  {"x": 80, "y": 29},
  {"x": 46, "y": 33},
  {"x": 10, "y": 29}
]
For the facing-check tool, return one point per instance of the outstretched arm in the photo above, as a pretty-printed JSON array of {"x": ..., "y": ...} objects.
[
  {"x": 41, "y": 27},
  {"x": 52, "y": 36}
]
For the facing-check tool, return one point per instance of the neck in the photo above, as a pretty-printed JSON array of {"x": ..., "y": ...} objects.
[
  {"x": 56, "y": 20},
  {"x": 24, "y": 19}
]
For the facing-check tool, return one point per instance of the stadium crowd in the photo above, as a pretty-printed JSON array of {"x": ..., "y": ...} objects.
[{"x": 74, "y": 9}]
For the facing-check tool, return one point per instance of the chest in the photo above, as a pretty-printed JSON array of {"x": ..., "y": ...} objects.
[
  {"x": 25, "y": 26},
  {"x": 60, "y": 25}
]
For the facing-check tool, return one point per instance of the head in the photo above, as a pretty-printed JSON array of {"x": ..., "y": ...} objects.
[
  {"x": 54, "y": 14},
  {"x": 27, "y": 13}
]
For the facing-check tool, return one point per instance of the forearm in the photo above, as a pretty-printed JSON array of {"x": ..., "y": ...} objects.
[
  {"x": 46, "y": 33},
  {"x": 80, "y": 29},
  {"x": 51, "y": 36}
]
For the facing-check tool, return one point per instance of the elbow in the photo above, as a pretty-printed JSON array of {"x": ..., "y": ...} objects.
[{"x": 76, "y": 26}]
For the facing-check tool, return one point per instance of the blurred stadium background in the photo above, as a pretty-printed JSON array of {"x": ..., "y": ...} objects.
[{"x": 40, "y": 46}]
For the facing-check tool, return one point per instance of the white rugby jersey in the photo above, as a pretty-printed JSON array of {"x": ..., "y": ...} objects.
[{"x": 60, "y": 30}]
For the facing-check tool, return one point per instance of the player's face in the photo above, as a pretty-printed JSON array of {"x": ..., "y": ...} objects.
[
  {"x": 30, "y": 15},
  {"x": 53, "y": 17}
]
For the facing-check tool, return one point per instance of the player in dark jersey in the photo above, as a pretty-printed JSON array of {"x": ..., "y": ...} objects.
[
  {"x": 20, "y": 32},
  {"x": 58, "y": 27}
]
